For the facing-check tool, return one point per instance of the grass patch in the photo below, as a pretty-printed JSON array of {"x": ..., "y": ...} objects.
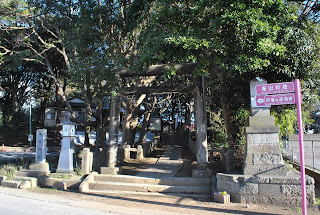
[
  {"x": 9, "y": 170},
  {"x": 64, "y": 176}
]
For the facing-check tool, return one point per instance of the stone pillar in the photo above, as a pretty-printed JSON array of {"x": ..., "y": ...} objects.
[
  {"x": 113, "y": 131},
  {"x": 127, "y": 152},
  {"x": 201, "y": 136},
  {"x": 139, "y": 153},
  {"x": 41, "y": 152},
  {"x": 113, "y": 137},
  {"x": 86, "y": 164}
]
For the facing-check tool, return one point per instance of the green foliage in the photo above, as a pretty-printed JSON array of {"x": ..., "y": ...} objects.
[{"x": 287, "y": 122}]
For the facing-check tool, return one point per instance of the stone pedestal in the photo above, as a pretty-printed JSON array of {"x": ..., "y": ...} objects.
[
  {"x": 262, "y": 155},
  {"x": 111, "y": 170},
  {"x": 65, "y": 164},
  {"x": 275, "y": 190}
]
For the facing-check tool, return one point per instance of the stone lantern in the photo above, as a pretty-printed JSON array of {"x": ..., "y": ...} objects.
[{"x": 65, "y": 164}]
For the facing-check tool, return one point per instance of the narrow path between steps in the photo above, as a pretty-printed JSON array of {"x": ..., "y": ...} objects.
[{"x": 167, "y": 165}]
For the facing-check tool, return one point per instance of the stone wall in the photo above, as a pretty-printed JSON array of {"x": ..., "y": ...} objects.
[{"x": 276, "y": 190}]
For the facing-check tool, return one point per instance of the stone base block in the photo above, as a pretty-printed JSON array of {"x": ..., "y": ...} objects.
[
  {"x": 110, "y": 170},
  {"x": 25, "y": 185},
  {"x": 33, "y": 181},
  {"x": 218, "y": 197},
  {"x": 32, "y": 173},
  {"x": 277, "y": 190},
  {"x": 43, "y": 166},
  {"x": 64, "y": 171},
  {"x": 202, "y": 173},
  {"x": 12, "y": 184}
]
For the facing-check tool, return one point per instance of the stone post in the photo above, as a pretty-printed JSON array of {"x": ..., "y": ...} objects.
[
  {"x": 41, "y": 152},
  {"x": 113, "y": 137},
  {"x": 127, "y": 152},
  {"x": 86, "y": 164},
  {"x": 139, "y": 153},
  {"x": 201, "y": 136}
]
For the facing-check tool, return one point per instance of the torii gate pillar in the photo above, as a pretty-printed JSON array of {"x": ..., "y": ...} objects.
[{"x": 202, "y": 170}]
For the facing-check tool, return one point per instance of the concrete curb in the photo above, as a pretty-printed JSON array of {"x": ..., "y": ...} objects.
[{"x": 84, "y": 186}]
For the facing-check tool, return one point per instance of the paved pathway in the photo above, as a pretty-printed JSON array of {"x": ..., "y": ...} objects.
[{"x": 167, "y": 165}]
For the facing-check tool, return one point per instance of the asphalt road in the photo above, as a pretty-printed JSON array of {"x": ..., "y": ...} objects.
[{"x": 14, "y": 202}]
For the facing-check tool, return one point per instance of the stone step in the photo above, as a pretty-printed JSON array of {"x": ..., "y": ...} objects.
[
  {"x": 31, "y": 173},
  {"x": 134, "y": 187},
  {"x": 11, "y": 183},
  {"x": 170, "y": 181},
  {"x": 33, "y": 180},
  {"x": 133, "y": 193}
]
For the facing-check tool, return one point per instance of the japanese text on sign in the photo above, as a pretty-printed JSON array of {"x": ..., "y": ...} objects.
[
  {"x": 279, "y": 99},
  {"x": 284, "y": 87}
]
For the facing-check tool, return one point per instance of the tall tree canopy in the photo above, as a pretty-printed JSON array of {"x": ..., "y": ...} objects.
[{"x": 233, "y": 41}]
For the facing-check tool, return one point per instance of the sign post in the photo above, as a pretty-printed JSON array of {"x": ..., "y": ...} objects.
[
  {"x": 282, "y": 94},
  {"x": 297, "y": 85}
]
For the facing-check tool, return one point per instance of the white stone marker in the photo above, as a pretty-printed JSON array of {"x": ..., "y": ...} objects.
[{"x": 41, "y": 145}]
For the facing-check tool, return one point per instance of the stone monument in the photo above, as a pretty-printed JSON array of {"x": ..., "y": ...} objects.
[
  {"x": 262, "y": 155},
  {"x": 264, "y": 179},
  {"x": 40, "y": 167},
  {"x": 65, "y": 164}
]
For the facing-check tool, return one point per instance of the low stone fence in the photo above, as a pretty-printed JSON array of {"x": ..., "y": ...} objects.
[
  {"x": 277, "y": 190},
  {"x": 141, "y": 151}
]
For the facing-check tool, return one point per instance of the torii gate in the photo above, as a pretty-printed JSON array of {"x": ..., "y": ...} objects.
[{"x": 200, "y": 116}]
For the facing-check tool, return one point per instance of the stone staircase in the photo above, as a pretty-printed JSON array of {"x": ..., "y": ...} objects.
[{"x": 177, "y": 186}]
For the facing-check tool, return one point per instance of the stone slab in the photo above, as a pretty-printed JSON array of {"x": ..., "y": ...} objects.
[
  {"x": 199, "y": 173},
  {"x": 262, "y": 130},
  {"x": 12, "y": 184},
  {"x": 25, "y": 185},
  {"x": 32, "y": 173},
  {"x": 111, "y": 170},
  {"x": 33, "y": 180}
]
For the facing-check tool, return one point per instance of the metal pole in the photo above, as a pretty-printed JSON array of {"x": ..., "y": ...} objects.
[
  {"x": 30, "y": 109},
  {"x": 297, "y": 86}
]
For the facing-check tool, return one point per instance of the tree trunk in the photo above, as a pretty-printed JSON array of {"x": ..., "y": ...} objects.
[
  {"x": 41, "y": 110},
  {"x": 145, "y": 123},
  {"x": 226, "y": 113},
  {"x": 130, "y": 120}
]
